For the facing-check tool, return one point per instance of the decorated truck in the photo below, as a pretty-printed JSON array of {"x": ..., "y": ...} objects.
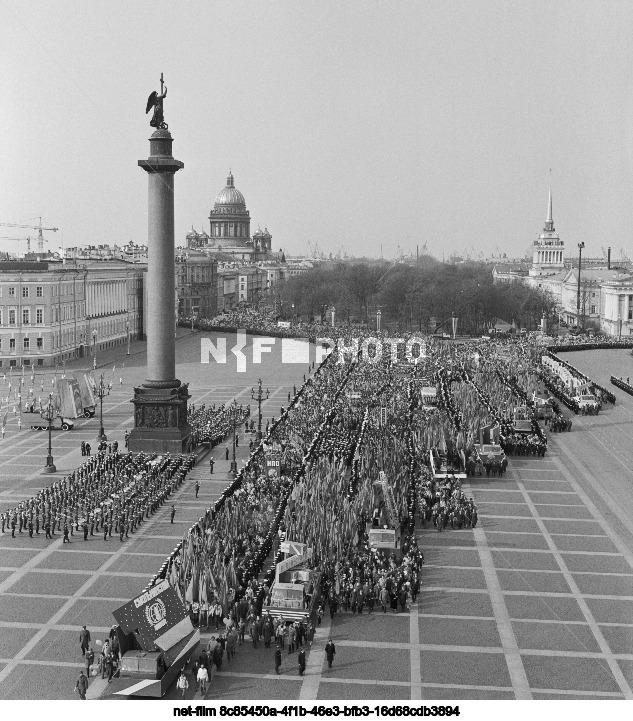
[
  {"x": 296, "y": 589},
  {"x": 384, "y": 528},
  {"x": 156, "y": 638}
]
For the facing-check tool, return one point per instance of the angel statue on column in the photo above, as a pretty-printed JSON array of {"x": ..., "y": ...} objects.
[{"x": 156, "y": 101}]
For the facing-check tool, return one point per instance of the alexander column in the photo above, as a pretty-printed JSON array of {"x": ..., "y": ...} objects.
[{"x": 160, "y": 404}]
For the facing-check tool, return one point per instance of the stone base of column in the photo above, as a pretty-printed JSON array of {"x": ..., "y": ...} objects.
[{"x": 160, "y": 420}]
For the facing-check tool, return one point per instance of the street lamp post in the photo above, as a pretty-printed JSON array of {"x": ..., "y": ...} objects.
[
  {"x": 333, "y": 316},
  {"x": 580, "y": 247},
  {"x": 233, "y": 469},
  {"x": 48, "y": 414},
  {"x": 259, "y": 397},
  {"x": 378, "y": 318},
  {"x": 127, "y": 328},
  {"x": 94, "y": 348},
  {"x": 101, "y": 391}
]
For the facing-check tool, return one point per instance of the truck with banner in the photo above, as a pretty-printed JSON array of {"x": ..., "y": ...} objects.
[
  {"x": 384, "y": 528},
  {"x": 489, "y": 449},
  {"x": 156, "y": 638},
  {"x": 297, "y": 587}
]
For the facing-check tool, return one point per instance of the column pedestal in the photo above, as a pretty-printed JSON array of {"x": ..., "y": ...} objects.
[{"x": 160, "y": 420}]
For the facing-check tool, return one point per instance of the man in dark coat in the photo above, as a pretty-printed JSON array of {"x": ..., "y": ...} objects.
[
  {"x": 330, "y": 650},
  {"x": 277, "y": 659},
  {"x": 84, "y": 640},
  {"x": 302, "y": 662},
  {"x": 82, "y": 685}
]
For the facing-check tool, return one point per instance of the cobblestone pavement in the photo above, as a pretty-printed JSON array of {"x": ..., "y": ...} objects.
[{"x": 537, "y": 602}]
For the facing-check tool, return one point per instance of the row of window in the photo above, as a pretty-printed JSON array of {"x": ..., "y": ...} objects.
[
  {"x": 25, "y": 361},
  {"x": 12, "y": 316},
  {"x": 26, "y": 293},
  {"x": 26, "y": 343}
]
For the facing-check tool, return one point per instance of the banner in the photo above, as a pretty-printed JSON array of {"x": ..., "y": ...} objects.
[{"x": 156, "y": 618}]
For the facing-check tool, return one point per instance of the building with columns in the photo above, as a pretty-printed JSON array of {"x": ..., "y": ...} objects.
[
  {"x": 114, "y": 302},
  {"x": 616, "y": 318},
  {"x": 50, "y": 311}
]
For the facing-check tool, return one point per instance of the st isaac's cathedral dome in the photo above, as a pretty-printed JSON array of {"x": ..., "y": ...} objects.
[{"x": 230, "y": 195}]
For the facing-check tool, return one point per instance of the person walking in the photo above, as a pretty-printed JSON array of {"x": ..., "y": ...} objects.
[
  {"x": 172, "y": 513},
  {"x": 226, "y": 455},
  {"x": 182, "y": 684},
  {"x": 302, "y": 662},
  {"x": 197, "y": 487},
  {"x": 82, "y": 685},
  {"x": 277, "y": 659},
  {"x": 211, "y": 463},
  {"x": 330, "y": 650},
  {"x": 203, "y": 679},
  {"x": 291, "y": 638},
  {"x": 89, "y": 660},
  {"x": 84, "y": 640}
]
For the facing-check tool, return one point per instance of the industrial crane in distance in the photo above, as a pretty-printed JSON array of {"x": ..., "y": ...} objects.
[{"x": 40, "y": 235}]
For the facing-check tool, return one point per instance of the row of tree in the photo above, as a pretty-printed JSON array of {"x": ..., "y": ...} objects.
[{"x": 415, "y": 296}]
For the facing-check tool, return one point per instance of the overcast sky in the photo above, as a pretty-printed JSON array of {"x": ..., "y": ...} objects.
[{"x": 347, "y": 124}]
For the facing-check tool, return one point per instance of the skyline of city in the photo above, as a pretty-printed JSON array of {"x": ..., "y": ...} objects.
[{"x": 349, "y": 129}]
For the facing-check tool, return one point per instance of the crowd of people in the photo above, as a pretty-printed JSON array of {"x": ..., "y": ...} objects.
[
  {"x": 214, "y": 425},
  {"x": 110, "y": 492},
  {"x": 353, "y": 418}
]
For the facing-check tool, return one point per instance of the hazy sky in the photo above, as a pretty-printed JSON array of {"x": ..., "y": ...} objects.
[{"x": 349, "y": 124}]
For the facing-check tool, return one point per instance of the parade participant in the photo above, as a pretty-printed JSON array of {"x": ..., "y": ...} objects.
[
  {"x": 277, "y": 659},
  {"x": 81, "y": 686},
  {"x": 182, "y": 684},
  {"x": 84, "y": 640},
  {"x": 218, "y": 654},
  {"x": 330, "y": 650},
  {"x": 291, "y": 638},
  {"x": 89, "y": 660},
  {"x": 231, "y": 644},
  {"x": 203, "y": 679}
]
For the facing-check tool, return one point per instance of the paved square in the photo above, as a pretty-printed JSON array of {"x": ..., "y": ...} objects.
[
  {"x": 459, "y": 632},
  {"x": 555, "y": 636},
  {"x": 464, "y": 668},
  {"x": 566, "y": 673},
  {"x": 479, "y": 589}
]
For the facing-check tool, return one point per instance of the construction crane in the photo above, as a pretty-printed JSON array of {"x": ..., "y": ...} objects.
[
  {"x": 39, "y": 228},
  {"x": 28, "y": 242}
]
